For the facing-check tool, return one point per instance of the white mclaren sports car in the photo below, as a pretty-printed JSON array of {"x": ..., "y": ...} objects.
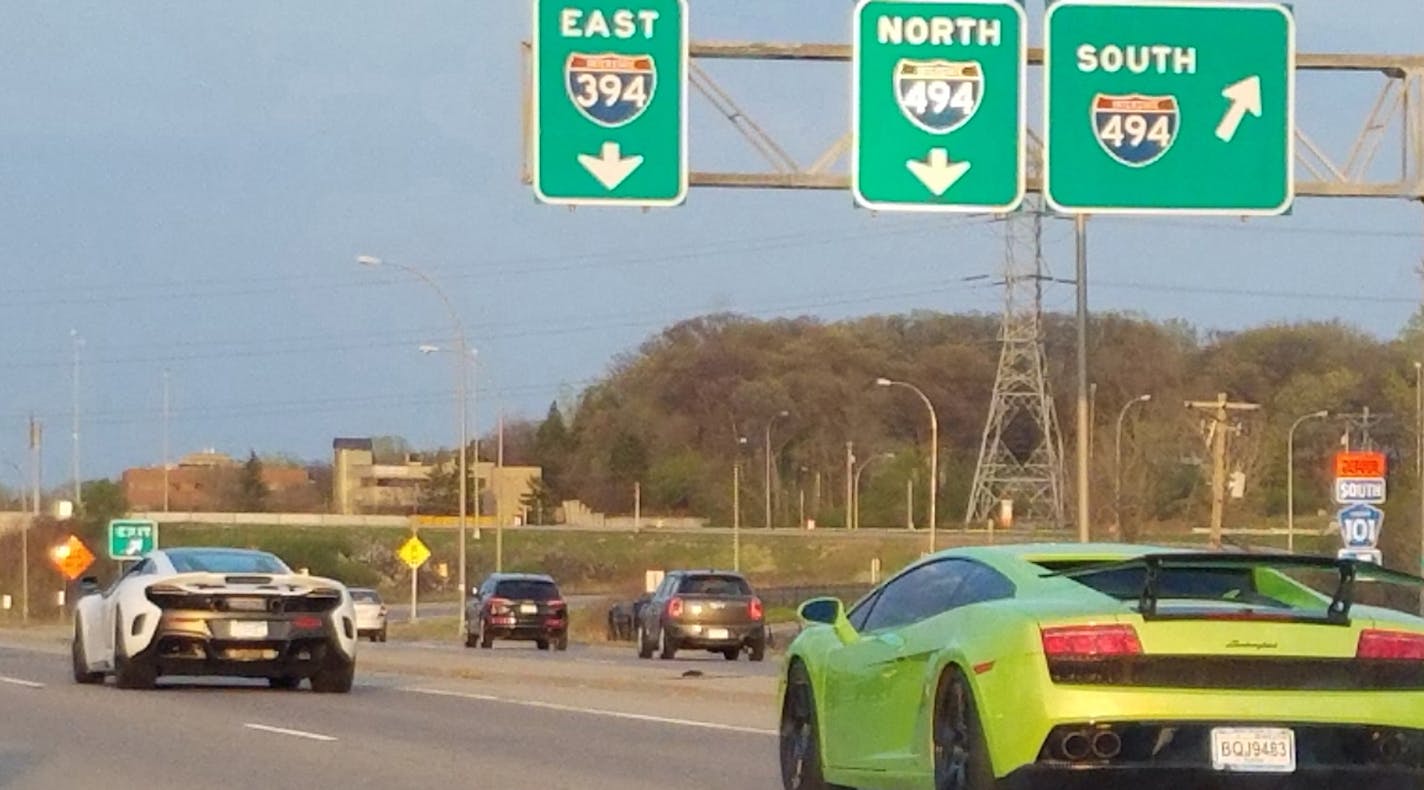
[{"x": 209, "y": 611}]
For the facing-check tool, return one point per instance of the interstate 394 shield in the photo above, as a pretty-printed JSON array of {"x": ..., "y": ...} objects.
[{"x": 610, "y": 89}]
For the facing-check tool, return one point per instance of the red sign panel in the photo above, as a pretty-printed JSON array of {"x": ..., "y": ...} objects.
[{"x": 1359, "y": 464}]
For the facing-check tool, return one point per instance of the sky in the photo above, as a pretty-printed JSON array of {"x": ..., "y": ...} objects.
[{"x": 186, "y": 186}]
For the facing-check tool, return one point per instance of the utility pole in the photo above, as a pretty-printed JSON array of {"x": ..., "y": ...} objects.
[
  {"x": 165, "y": 441},
  {"x": 1220, "y": 411},
  {"x": 1362, "y": 421},
  {"x": 850, "y": 482},
  {"x": 737, "y": 515},
  {"x": 78, "y": 341},
  {"x": 637, "y": 506},
  {"x": 35, "y": 440}
]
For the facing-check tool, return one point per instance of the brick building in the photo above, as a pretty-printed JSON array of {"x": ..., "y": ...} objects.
[{"x": 203, "y": 481}]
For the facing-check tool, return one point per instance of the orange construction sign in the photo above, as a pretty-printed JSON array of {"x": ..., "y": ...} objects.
[
  {"x": 1359, "y": 464},
  {"x": 71, "y": 557}
]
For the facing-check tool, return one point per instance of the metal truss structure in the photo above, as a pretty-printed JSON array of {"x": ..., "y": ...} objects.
[
  {"x": 1364, "y": 169},
  {"x": 1021, "y": 453},
  {"x": 1385, "y": 160}
]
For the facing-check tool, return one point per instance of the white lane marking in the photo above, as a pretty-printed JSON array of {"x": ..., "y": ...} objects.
[
  {"x": 315, "y": 736},
  {"x": 29, "y": 684},
  {"x": 613, "y": 714}
]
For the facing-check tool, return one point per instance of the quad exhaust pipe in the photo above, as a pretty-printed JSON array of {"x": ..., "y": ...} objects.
[
  {"x": 1391, "y": 748},
  {"x": 1077, "y": 746}
]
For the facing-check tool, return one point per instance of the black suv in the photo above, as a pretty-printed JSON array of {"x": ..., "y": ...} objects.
[
  {"x": 702, "y": 610},
  {"x": 518, "y": 606}
]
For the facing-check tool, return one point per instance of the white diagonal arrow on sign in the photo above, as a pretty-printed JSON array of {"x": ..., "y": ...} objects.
[
  {"x": 610, "y": 167},
  {"x": 937, "y": 173},
  {"x": 1245, "y": 97}
]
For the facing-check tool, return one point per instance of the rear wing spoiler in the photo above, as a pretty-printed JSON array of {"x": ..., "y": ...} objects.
[{"x": 1154, "y": 564}]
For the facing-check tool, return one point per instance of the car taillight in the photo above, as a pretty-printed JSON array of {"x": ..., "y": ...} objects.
[
  {"x": 307, "y": 622},
  {"x": 1090, "y": 641},
  {"x": 499, "y": 604},
  {"x": 754, "y": 609},
  {"x": 1390, "y": 645},
  {"x": 555, "y": 604},
  {"x": 674, "y": 608}
]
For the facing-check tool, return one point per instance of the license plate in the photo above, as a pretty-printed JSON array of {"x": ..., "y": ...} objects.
[
  {"x": 1253, "y": 749},
  {"x": 528, "y": 608},
  {"x": 717, "y": 633},
  {"x": 247, "y": 629},
  {"x": 247, "y": 604}
]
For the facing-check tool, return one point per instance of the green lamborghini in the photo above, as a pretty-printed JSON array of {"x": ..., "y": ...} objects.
[{"x": 1061, "y": 666}]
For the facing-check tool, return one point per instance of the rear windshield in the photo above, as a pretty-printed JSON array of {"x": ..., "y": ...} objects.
[
  {"x": 524, "y": 590},
  {"x": 1237, "y": 585},
  {"x": 714, "y": 585},
  {"x": 225, "y": 561},
  {"x": 365, "y": 596}
]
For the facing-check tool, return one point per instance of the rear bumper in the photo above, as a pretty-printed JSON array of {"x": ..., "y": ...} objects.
[
  {"x": 707, "y": 636},
  {"x": 526, "y": 631},
  {"x": 1319, "y": 778},
  {"x": 1179, "y": 754},
  {"x": 204, "y": 643}
]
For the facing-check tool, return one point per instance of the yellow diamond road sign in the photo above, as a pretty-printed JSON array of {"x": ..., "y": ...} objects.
[{"x": 413, "y": 552}]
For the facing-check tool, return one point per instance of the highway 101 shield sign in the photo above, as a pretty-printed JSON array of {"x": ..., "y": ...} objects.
[
  {"x": 1169, "y": 107},
  {"x": 609, "y": 117},
  {"x": 938, "y": 105}
]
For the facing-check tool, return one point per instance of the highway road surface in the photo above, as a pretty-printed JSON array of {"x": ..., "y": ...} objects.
[{"x": 507, "y": 729}]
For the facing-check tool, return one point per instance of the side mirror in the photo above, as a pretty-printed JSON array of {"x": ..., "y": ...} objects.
[
  {"x": 88, "y": 585},
  {"x": 831, "y": 612},
  {"x": 474, "y": 592}
]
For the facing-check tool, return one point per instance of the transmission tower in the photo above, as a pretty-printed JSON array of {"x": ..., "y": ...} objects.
[{"x": 1020, "y": 456}]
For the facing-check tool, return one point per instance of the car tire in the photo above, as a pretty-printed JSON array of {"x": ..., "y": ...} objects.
[
  {"x": 961, "y": 754},
  {"x": 471, "y": 639},
  {"x": 645, "y": 650},
  {"x": 799, "y": 735},
  {"x": 561, "y": 642},
  {"x": 130, "y": 673},
  {"x": 732, "y": 653},
  {"x": 486, "y": 641},
  {"x": 336, "y": 676},
  {"x": 667, "y": 648},
  {"x": 381, "y": 637},
  {"x": 757, "y": 652},
  {"x": 284, "y": 683},
  {"x": 80, "y": 660},
  {"x": 542, "y": 644}
]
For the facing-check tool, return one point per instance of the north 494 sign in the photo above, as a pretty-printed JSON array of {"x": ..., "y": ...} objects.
[{"x": 938, "y": 105}]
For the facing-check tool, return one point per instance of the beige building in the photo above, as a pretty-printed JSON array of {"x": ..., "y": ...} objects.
[{"x": 362, "y": 486}]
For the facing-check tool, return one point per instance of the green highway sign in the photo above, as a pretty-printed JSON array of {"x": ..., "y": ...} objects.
[
  {"x": 938, "y": 105},
  {"x": 1169, "y": 107},
  {"x": 609, "y": 115},
  {"x": 131, "y": 538}
]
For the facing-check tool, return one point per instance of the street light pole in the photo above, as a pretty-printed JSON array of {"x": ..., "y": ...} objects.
[
  {"x": 462, "y": 394},
  {"x": 934, "y": 447},
  {"x": 1117, "y": 460},
  {"x": 1290, "y": 474},
  {"x": 1084, "y": 429},
  {"x": 856, "y": 486},
  {"x": 767, "y": 449},
  {"x": 78, "y": 341}
]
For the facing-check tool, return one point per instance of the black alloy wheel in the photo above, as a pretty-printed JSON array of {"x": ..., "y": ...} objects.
[
  {"x": 799, "y": 739},
  {"x": 961, "y": 755}
]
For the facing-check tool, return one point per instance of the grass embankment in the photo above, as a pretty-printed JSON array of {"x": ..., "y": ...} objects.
[{"x": 583, "y": 562}]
